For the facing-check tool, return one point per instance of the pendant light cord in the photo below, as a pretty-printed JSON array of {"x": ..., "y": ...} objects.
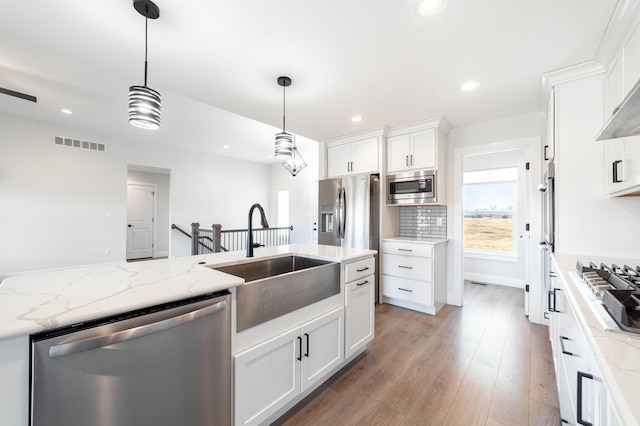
[
  {"x": 146, "y": 24},
  {"x": 284, "y": 105}
]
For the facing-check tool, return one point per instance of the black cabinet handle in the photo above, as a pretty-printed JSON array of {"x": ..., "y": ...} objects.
[
  {"x": 616, "y": 178},
  {"x": 404, "y": 289},
  {"x": 363, "y": 283},
  {"x": 405, "y": 267},
  {"x": 363, "y": 269},
  {"x": 551, "y": 295},
  {"x": 307, "y": 352},
  {"x": 555, "y": 300},
  {"x": 564, "y": 351},
  {"x": 580, "y": 420},
  {"x": 299, "y": 347},
  {"x": 401, "y": 249},
  {"x": 546, "y": 152}
]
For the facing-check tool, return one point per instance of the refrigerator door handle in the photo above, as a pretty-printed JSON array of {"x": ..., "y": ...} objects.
[
  {"x": 336, "y": 214},
  {"x": 343, "y": 212}
]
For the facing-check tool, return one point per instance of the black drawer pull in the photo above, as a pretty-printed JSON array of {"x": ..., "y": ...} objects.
[
  {"x": 300, "y": 347},
  {"x": 401, "y": 249},
  {"x": 564, "y": 351},
  {"x": 307, "y": 353},
  {"x": 580, "y": 420},
  {"x": 405, "y": 289},
  {"x": 405, "y": 267},
  {"x": 363, "y": 269},
  {"x": 363, "y": 283},
  {"x": 616, "y": 178}
]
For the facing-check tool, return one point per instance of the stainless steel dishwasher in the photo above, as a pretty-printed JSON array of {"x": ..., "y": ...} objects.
[{"x": 165, "y": 365}]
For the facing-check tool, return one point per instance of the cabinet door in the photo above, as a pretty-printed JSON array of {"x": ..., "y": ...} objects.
[
  {"x": 267, "y": 376},
  {"x": 423, "y": 154},
  {"x": 322, "y": 349},
  {"x": 398, "y": 151},
  {"x": 359, "y": 314},
  {"x": 338, "y": 160},
  {"x": 364, "y": 156}
]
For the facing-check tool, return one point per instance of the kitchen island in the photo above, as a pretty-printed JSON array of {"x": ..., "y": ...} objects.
[{"x": 40, "y": 301}]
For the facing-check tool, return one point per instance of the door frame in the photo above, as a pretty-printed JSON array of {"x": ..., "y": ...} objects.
[
  {"x": 455, "y": 287},
  {"x": 154, "y": 229}
]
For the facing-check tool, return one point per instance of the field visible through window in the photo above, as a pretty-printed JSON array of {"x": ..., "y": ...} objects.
[{"x": 488, "y": 233}]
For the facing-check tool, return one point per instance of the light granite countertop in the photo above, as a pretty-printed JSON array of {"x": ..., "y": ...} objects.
[
  {"x": 46, "y": 300},
  {"x": 617, "y": 356}
]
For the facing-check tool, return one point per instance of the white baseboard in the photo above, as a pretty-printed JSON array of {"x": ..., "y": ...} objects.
[
  {"x": 494, "y": 279},
  {"x": 163, "y": 253}
]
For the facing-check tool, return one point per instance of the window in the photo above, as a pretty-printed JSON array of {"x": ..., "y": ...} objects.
[
  {"x": 283, "y": 208},
  {"x": 490, "y": 198}
]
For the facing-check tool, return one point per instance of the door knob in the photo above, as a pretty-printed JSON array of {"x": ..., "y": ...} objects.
[{"x": 130, "y": 225}]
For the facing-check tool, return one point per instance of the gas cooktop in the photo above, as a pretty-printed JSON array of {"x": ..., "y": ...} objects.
[{"x": 614, "y": 288}]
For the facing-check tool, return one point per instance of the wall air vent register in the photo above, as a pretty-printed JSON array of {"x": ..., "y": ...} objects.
[{"x": 76, "y": 143}]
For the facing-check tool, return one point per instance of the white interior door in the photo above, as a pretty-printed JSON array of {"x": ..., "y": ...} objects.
[{"x": 140, "y": 220}]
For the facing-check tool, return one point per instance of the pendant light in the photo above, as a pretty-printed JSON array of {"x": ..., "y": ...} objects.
[
  {"x": 296, "y": 162},
  {"x": 284, "y": 140},
  {"x": 144, "y": 102}
]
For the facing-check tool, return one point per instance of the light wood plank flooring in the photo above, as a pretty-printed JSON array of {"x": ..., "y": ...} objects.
[{"x": 482, "y": 364}]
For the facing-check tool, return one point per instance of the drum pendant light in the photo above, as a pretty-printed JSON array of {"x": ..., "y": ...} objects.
[
  {"x": 284, "y": 140},
  {"x": 296, "y": 162},
  {"x": 144, "y": 102}
]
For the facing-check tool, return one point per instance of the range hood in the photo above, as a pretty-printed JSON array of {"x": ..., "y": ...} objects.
[{"x": 625, "y": 120}]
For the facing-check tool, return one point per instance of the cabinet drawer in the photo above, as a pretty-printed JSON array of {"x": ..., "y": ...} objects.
[
  {"x": 407, "y": 249},
  {"x": 415, "y": 268},
  {"x": 409, "y": 290},
  {"x": 359, "y": 269}
]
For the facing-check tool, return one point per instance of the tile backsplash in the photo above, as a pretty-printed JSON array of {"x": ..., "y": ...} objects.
[{"x": 423, "y": 221}]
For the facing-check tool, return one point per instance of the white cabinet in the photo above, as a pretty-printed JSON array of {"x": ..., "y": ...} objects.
[
  {"x": 359, "y": 305},
  {"x": 550, "y": 143},
  {"x": 581, "y": 391},
  {"x": 273, "y": 373},
  {"x": 414, "y": 275},
  {"x": 420, "y": 145},
  {"x": 622, "y": 155},
  {"x": 360, "y": 156},
  {"x": 417, "y": 150}
]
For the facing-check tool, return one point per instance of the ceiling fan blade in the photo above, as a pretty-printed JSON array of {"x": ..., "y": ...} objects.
[{"x": 18, "y": 94}]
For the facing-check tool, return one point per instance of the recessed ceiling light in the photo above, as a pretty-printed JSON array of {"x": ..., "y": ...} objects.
[
  {"x": 356, "y": 119},
  {"x": 225, "y": 146},
  {"x": 469, "y": 85},
  {"x": 431, "y": 7},
  {"x": 66, "y": 111}
]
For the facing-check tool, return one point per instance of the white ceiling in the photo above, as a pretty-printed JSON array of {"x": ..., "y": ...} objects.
[{"x": 217, "y": 61}]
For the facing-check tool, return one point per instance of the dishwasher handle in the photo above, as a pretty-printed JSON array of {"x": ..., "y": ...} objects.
[{"x": 133, "y": 333}]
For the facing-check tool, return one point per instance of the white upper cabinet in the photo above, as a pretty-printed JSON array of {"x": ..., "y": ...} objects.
[
  {"x": 417, "y": 146},
  {"x": 622, "y": 155},
  {"x": 412, "y": 151},
  {"x": 353, "y": 154}
]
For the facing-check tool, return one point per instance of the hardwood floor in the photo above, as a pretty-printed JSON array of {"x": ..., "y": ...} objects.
[{"x": 482, "y": 364}]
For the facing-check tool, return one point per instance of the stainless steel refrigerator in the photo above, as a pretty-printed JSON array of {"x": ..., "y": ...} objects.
[{"x": 349, "y": 212}]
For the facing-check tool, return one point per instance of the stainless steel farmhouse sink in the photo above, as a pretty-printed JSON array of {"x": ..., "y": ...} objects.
[{"x": 274, "y": 287}]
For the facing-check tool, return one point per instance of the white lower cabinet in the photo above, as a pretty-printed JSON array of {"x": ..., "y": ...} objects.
[
  {"x": 272, "y": 373},
  {"x": 414, "y": 275},
  {"x": 581, "y": 391},
  {"x": 359, "y": 310}
]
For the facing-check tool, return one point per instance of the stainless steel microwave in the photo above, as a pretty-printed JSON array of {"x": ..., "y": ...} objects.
[{"x": 412, "y": 188}]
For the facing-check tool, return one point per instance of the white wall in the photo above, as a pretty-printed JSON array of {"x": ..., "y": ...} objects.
[
  {"x": 303, "y": 193},
  {"x": 588, "y": 222},
  {"x": 62, "y": 206}
]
